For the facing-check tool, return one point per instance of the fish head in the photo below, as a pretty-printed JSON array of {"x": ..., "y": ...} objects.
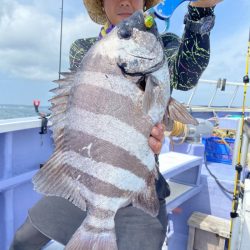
[
  {"x": 141, "y": 50},
  {"x": 141, "y": 53},
  {"x": 135, "y": 49},
  {"x": 136, "y": 52}
]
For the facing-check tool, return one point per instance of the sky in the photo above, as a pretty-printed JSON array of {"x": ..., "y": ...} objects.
[{"x": 30, "y": 36}]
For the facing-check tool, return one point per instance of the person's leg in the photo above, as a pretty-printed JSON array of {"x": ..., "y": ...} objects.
[
  {"x": 136, "y": 230},
  {"x": 55, "y": 217},
  {"x": 27, "y": 237},
  {"x": 58, "y": 219}
]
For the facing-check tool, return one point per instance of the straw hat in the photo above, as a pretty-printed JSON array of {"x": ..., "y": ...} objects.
[{"x": 97, "y": 14}]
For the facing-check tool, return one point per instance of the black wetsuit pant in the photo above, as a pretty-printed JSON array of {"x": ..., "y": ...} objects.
[{"x": 56, "y": 218}]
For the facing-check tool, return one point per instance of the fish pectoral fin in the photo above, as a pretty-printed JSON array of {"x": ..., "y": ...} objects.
[
  {"x": 169, "y": 123},
  {"x": 151, "y": 93},
  {"x": 177, "y": 112},
  {"x": 147, "y": 200}
]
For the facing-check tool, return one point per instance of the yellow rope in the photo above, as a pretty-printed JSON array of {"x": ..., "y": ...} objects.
[
  {"x": 179, "y": 130},
  {"x": 104, "y": 28},
  {"x": 222, "y": 134}
]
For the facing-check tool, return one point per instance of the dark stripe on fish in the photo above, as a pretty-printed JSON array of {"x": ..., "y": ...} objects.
[
  {"x": 99, "y": 212},
  {"x": 93, "y": 229},
  {"x": 94, "y": 184},
  {"x": 103, "y": 151},
  {"x": 106, "y": 102}
]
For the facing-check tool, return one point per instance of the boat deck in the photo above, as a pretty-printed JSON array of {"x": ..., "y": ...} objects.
[{"x": 21, "y": 140}]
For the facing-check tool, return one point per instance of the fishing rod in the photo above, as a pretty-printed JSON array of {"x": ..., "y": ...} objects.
[
  {"x": 238, "y": 167},
  {"x": 60, "y": 53}
]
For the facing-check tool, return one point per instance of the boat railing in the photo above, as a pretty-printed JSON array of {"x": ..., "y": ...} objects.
[{"x": 229, "y": 96}]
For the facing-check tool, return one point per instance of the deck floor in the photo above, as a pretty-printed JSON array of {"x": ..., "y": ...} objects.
[{"x": 53, "y": 245}]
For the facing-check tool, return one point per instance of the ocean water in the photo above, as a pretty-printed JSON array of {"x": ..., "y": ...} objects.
[{"x": 19, "y": 111}]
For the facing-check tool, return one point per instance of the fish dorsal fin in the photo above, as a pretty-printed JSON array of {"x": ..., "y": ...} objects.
[
  {"x": 59, "y": 104},
  {"x": 50, "y": 180}
]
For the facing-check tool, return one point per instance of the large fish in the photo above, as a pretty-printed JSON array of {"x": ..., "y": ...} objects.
[{"x": 102, "y": 118}]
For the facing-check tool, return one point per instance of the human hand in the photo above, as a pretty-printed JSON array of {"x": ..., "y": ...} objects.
[
  {"x": 205, "y": 3},
  {"x": 156, "y": 138}
]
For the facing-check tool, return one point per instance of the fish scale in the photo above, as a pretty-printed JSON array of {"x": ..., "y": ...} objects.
[{"x": 101, "y": 122}]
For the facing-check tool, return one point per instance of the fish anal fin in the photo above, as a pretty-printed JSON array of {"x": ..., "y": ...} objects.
[
  {"x": 177, "y": 112},
  {"x": 56, "y": 179}
]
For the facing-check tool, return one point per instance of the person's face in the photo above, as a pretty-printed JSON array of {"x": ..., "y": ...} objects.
[{"x": 117, "y": 10}]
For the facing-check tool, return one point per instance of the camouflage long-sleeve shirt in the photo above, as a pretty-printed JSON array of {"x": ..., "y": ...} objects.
[{"x": 187, "y": 57}]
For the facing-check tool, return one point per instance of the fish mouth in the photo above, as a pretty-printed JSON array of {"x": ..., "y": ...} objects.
[
  {"x": 144, "y": 73},
  {"x": 142, "y": 57}
]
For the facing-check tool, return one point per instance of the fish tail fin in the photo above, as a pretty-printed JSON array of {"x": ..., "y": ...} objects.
[{"x": 89, "y": 237}]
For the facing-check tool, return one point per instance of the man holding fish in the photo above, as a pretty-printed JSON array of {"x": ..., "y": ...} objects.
[{"x": 135, "y": 227}]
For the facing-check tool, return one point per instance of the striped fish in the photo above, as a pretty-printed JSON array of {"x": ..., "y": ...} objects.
[{"x": 102, "y": 117}]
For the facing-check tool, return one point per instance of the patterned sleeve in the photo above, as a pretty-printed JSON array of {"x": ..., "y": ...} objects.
[
  {"x": 188, "y": 57},
  {"x": 77, "y": 51}
]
